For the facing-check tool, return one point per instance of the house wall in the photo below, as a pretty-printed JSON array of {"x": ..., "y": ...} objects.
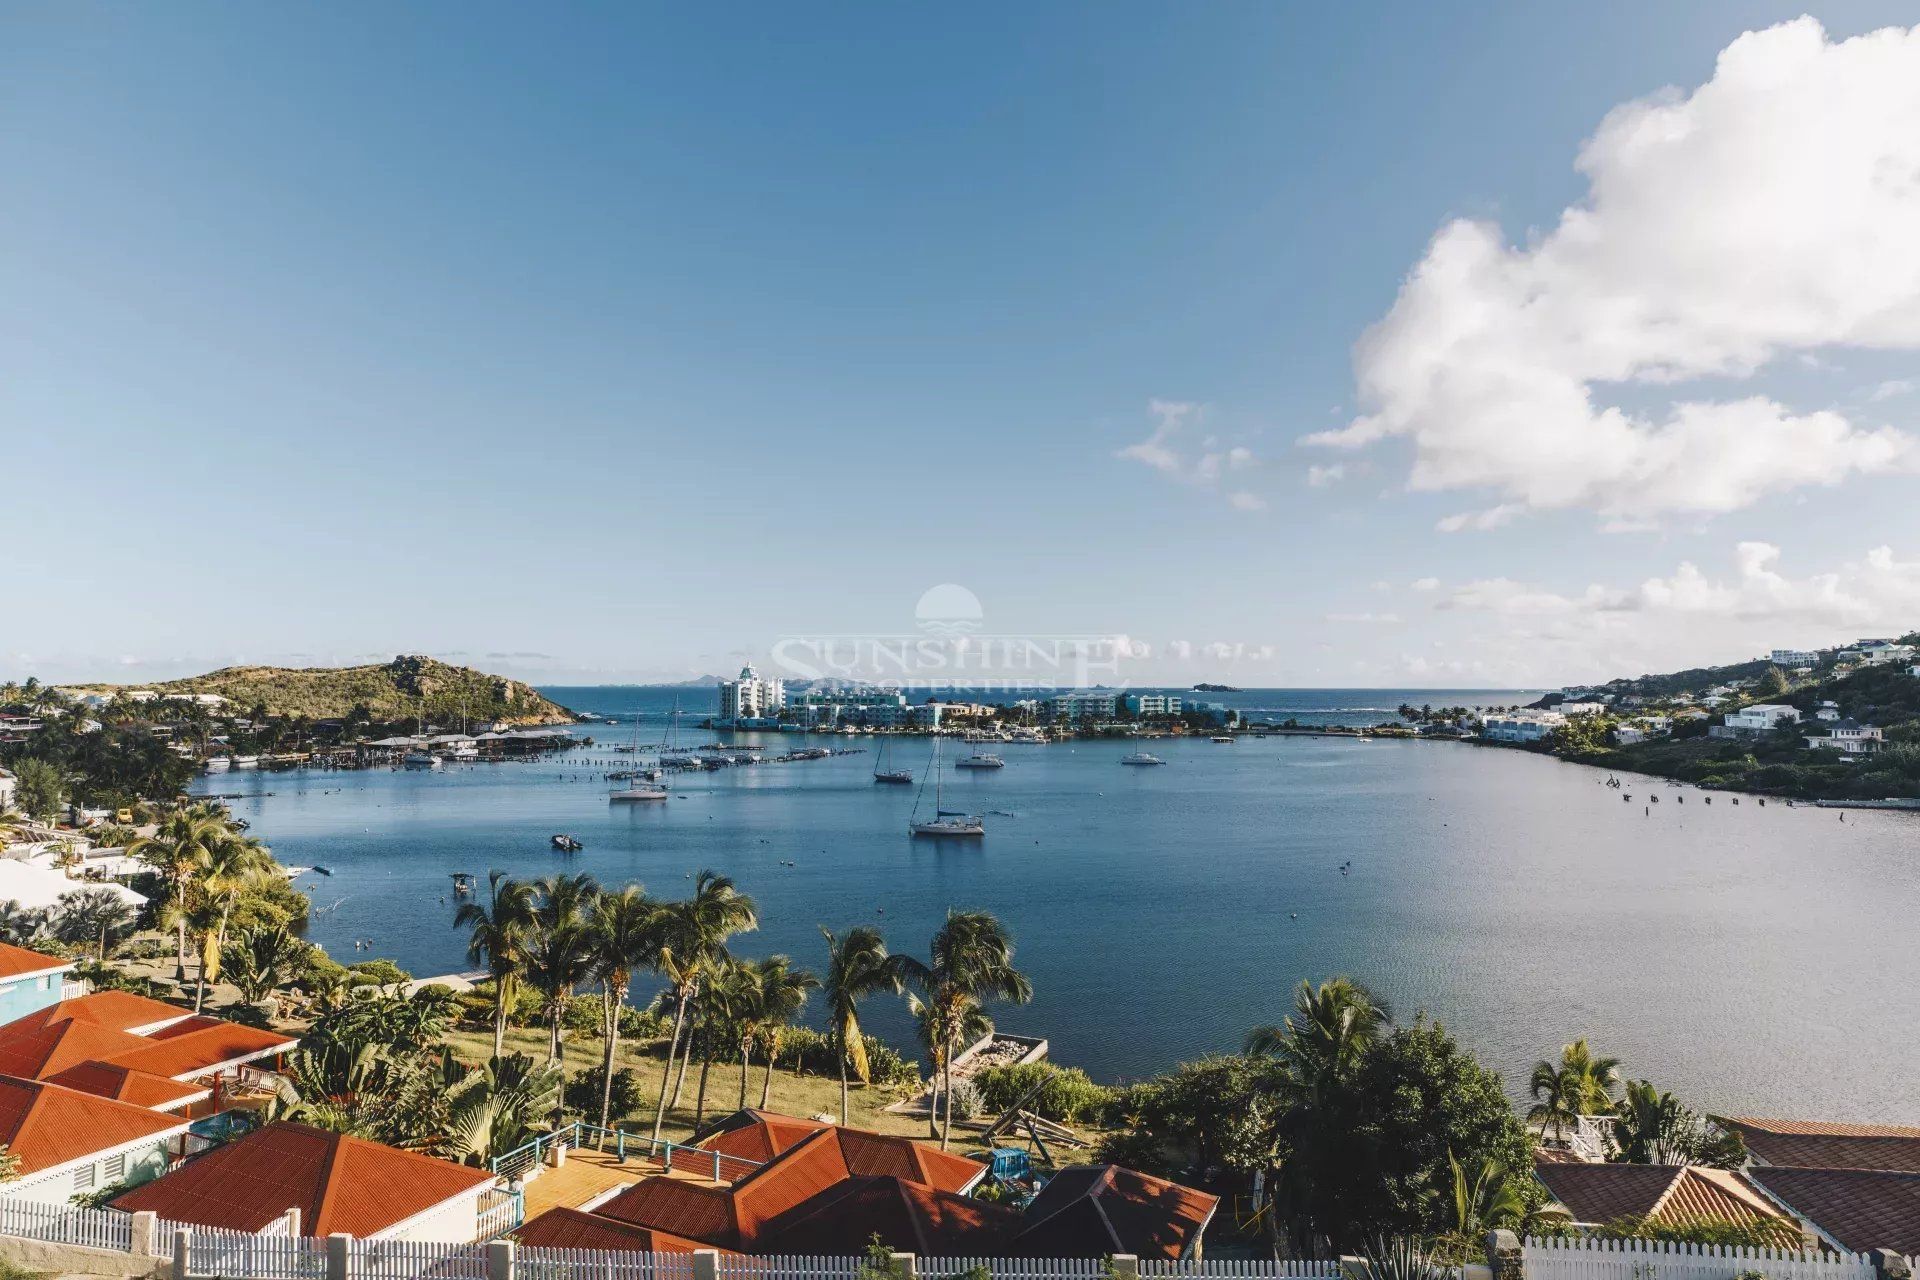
[
  {"x": 455, "y": 1220},
  {"x": 22, "y": 996},
  {"x": 132, "y": 1167}
]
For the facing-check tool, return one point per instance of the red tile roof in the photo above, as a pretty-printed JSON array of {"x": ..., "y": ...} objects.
[
  {"x": 35, "y": 1050},
  {"x": 575, "y": 1229},
  {"x": 796, "y": 1175},
  {"x": 200, "y": 1045},
  {"x": 121, "y": 1010},
  {"x": 1815, "y": 1144},
  {"x": 762, "y": 1135},
  {"x": 1859, "y": 1209},
  {"x": 1093, "y": 1210},
  {"x": 1601, "y": 1193},
  {"x": 124, "y": 1085},
  {"x": 907, "y": 1216},
  {"x": 46, "y": 1125},
  {"x": 692, "y": 1210},
  {"x": 18, "y": 962},
  {"x": 338, "y": 1183}
]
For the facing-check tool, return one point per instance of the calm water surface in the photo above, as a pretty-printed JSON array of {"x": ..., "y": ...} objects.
[{"x": 1750, "y": 958}]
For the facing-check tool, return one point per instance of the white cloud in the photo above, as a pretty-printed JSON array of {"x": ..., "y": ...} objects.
[
  {"x": 1769, "y": 213},
  {"x": 1202, "y": 465},
  {"x": 1426, "y": 584},
  {"x": 1366, "y": 619},
  {"x": 1893, "y": 387},
  {"x": 1320, "y": 477}
]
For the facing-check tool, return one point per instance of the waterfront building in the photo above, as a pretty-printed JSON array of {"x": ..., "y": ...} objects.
[
  {"x": 1081, "y": 704},
  {"x": 1761, "y": 717},
  {"x": 1153, "y": 704},
  {"x": 1668, "y": 1195},
  {"x": 1851, "y": 1186},
  {"x": 749, "y": 697},
  {"x": 1521, "y": 726},
  {"x": 863, "y": 706},
  {"x": 1794, "y": 658}
]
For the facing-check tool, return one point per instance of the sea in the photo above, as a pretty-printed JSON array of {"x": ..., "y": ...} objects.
[{"x": 1753, "y": 958}]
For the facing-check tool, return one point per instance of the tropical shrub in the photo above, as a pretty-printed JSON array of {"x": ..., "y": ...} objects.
[
  {"x": 1065, "y": 1094},
  {"x": 583, "y": 1092}
]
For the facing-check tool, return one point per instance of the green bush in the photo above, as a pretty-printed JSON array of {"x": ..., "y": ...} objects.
[
  {"x": 811, "y": 1053},
  {"x": 1066, "y": 1094},
  {"x": 583, "y": 1093},
  {"x": 382, "y": 972}
]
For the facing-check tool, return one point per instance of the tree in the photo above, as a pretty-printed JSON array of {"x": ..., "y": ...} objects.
[
  {"x": 1653, "y": 1127},
  {"x": 261, "y": 960},
  {"x": 858, "y": 966},
  {"x": 495, "y": 1108},
  {"x": 1558, "y": 1096},
  {"x": 39, "y": 788},
  {"x": 232, "y": 865},
  {"x": 1595, "y": 1077},
  {"x": 497, "y": 934},
  {"x": 559, "y": 958},
  {"x": 92, "y": 916},
  {"x": 693, "y": 938},
  {"x": 780, "y": 993},
  {"x": 624, "y": 935},
  {"x": 179, "y": 850},
  {"x": 970, "y": 962}
]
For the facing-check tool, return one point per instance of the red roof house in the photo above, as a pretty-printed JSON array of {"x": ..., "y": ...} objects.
[{"x": 1095, "y": 1210}]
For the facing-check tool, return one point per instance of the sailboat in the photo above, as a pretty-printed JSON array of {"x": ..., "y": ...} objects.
[
  {"x": 944, "y": 822},
  {"x": 636, "y": 788},
  {"x": 1141, "y": 756},
  {"x": 883, "y": 774}
]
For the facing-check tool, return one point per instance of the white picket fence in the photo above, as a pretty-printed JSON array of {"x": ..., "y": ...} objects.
[
  {"x": 269, "y": 1255},
  {"x": 1589, "y": 1259},
  {"x": 416, "y": 1260},
  {"x": 61, "y": 1224},
  {"x": 1242, "y": 1269},
  {"x": 600, "y": 1264}
]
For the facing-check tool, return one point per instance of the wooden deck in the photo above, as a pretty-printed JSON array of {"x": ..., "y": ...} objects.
[{"x": 588, "y": 1174}]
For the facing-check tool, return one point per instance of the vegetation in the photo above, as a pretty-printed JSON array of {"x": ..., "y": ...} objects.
[
  {"x": 408, "y": 686},
  {"x": 1064, "y": 1094},
  {"x": 970, "y": 963}
]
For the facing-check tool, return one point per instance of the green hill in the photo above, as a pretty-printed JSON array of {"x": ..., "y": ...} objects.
[{"x": 390, "y": 691}]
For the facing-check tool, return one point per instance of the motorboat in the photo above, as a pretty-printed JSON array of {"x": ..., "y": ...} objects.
[
  {"x": 981, "y": 760},
  {"x": 218, "y": 764},
  {"x": 420, "y": 760},
  {"x": 246, "y": 762},
  {"x": 1142, "y": 758},
  {"x": 567, "y": 844},
  {"x": 1221, "y": 737}
]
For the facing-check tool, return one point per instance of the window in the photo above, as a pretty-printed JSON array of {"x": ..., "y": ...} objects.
[
  {"x": 83, "y": 1178},
  {"x": 116, "y": 1167}
]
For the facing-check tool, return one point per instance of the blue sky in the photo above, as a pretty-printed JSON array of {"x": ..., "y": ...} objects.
[{"x": 620, "y": 342}]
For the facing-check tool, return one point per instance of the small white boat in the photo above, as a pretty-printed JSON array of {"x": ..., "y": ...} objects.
[
  {"x": 246, "y": 762},
  {"x": 981, "y": 760},
  {"x": 636, "y": 792},
  {"x": 1221, "y": 737},
  {"x": 464, "y": 753},
  {"x": 218, "y": 764},
  {"x": 420, "y": 760},
  {"x": 1141, "y": 758}
]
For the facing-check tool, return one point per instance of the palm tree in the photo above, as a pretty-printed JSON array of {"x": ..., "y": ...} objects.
[
  {"x": 729, "y": 995},
  {"x": 858, "y": 966},
  {"x": 624, "y": 935},
  {"x": 497, "y": 937},
  {"x": 694, "y": 937},
  {"x": 232, "y": 865},
  {"x": 779, "y": 994},
  {"x": 1596, "y": 1077},
  {"x": 1557, "y": 1096},
  {"x": 1331, "y": 1028},
  {"x": 260, "y": 960},
  {"x": 969, "y": 963},
  {"x": 559, "y": 959},
  {"x": 179, "y": 849},
  {"x": 1488, "y": 1200}
]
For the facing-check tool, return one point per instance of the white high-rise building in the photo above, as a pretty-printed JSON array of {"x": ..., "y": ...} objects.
[{"x": 750, "y": 697}]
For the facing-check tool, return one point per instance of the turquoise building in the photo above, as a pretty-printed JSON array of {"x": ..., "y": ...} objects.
[{"x": 29, "y": 981}]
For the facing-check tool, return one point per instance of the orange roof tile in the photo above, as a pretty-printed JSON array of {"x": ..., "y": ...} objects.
[
  {"x": 762, "y": 1135},
  {"x": 1858, "y": 1209},
  {"x": 1817, "y": 1144},
  {"x": 791, "y": 1178},
  {"x": 192, "y": 1050},
  {"x": 908, "y": 1216},
  {"x": 564, "y": 1228},
  {"x": 1600, "y": 1193},
  {"x": 46, "y": 1124},
  {"x": 35, "y": 1050},
  {"x": 105, "y": 1080},
  {"x": 691, "y": 1210},
  {"x": 338, "y": 1183},
  {"x": 121, "y": 1010},
  {"x": 18, "y": 962}
]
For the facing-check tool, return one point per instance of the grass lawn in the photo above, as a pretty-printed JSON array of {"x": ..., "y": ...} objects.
[{"x": 792, "y": 1095}]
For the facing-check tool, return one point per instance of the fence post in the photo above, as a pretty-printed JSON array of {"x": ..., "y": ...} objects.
[
  {"x": 1353, "y": 1267},
  {"x": 1126, "y": 1266},
  {"x": 293, "y": 1221},
  {"x": 903, "y": 1265},
  {"x": 339, "y": 1254},
  {"x": 500, "y": 1260},
  {"x": 706, "y": 1264},
  {"x": 716, "y": 1166},
  {"x": 623, "y": 1146},
  {"x": 1505, "y": 1256},
  {"x": 142, "y": 1230},
  {"x": 182, "y": 1242},
  {"x": 1888, "y": 1265}
]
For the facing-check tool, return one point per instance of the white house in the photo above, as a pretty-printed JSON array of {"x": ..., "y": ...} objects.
[
  {"x": 1625, "y": 735},
  {"x": 1762, "y": 717},
  {"x": 1850, "y": 737},
  {"x": 1521, "y": 726},
  {"x": 1581, "y": 708},
  {"x": 1828, "y": 711},
  {"x": 9, "y": 785},
  {"x": 70, "y": 1142},
  {"x": 1878, "y": 653},
  {"x": 1794, "y": 658}
]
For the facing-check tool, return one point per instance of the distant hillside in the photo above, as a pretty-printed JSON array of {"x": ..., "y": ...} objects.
[{"x": 393, "y": 690}]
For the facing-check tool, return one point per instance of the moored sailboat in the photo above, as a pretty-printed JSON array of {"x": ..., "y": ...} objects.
[{"x": 945, "y": 822}]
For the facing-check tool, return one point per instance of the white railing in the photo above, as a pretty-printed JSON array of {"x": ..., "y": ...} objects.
[
  {"x": 600, "y": 1264},
  {"x": 62, "y": 1224},
  {"x": 733, "y": 1266},
  {"x": 413, "y": 1259},
  {"x": 1588, "y": 1259},
  {"x": 1244, "y": 1268},
  {"x": 213, "y": 1251},
  {"x": 74, "y": 988},
  {"x": 499, "y": 1213},
  {"x": 1593, "y": 1138}
]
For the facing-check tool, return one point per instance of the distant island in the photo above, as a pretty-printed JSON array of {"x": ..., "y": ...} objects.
[
  {"x": 389, "y": 691},
  {"x": 1216, "y": 688}
]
